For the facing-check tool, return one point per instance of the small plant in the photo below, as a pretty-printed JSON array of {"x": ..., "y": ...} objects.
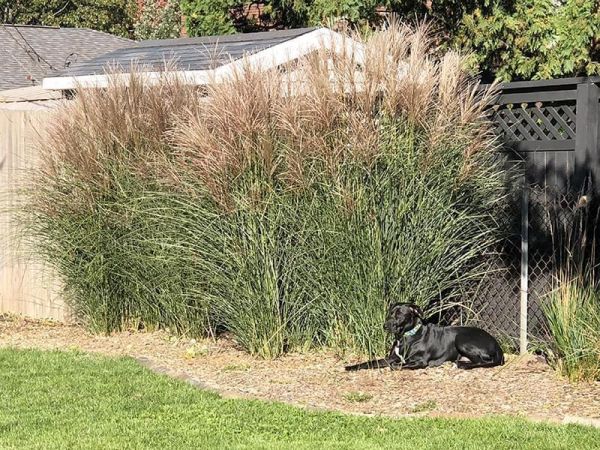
[
  {"x": 429, "y": 405},
  {"x": 195, "y": 351},
  {"x": 357, "y": 397},
  {"x": 236, "y": 368},
  {"x": 573, "y": 314}
]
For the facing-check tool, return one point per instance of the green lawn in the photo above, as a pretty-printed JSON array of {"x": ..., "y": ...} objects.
[{"x": 76, "y": 400}]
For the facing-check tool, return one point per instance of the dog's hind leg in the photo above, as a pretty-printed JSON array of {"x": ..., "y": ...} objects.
[
  {"x": 374, "y": 364},
  {"x": 467, "y": 365},
  {"x": 477, "y": 360}
]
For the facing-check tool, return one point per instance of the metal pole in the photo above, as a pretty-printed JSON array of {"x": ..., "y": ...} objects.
[{"x": 524, "y": 268}]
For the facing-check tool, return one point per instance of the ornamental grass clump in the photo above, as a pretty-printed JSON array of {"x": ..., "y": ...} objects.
[
  {"x": 573, "y": 307},
  {"x": 287, "y": 207},
  {"x": 87, "y": 211}
]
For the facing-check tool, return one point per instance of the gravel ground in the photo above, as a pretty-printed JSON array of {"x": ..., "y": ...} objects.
[{"x": 525, "y": 386}]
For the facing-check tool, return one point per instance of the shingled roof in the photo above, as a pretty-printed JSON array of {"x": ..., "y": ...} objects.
[
  {"x": 198, "y": 53},
  {"x": 200, "y": 60},
  {"x": 28, "y": 53}
]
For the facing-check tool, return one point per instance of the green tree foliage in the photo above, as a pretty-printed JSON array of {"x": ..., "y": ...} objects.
[
  {"x": 534, "y": 39},
  {"x": 510, "y": 40},
  {"x": 208, "y": 17},
  {"x": 111, "y": 16},
  {"x": 352, "y": 11},
  {"x": 158, "y": 19}
]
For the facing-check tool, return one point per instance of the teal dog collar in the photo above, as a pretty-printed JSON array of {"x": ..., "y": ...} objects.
[{"x": 413, "y": 331}]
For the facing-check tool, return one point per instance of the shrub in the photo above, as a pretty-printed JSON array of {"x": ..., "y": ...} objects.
[
  {"x": 287, "y": 207},
  {"x": 90, "y": 211}
]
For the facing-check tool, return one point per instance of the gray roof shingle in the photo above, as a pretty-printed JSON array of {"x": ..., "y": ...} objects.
[
  {"x": 186, "y": 53},
  {"x": 29, "y": 53}
]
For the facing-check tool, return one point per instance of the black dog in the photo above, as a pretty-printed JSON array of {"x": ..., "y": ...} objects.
[{"x": 417, "y": 346}]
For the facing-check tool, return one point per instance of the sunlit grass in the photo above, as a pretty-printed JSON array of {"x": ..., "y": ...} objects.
[{"x": 56, "y": 400}]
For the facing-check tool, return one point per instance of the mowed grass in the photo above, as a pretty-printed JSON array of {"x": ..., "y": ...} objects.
[{"x": 78, "y": 400}]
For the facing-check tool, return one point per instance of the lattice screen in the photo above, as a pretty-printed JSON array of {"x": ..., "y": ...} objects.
[{"x": 535, "y": 121}]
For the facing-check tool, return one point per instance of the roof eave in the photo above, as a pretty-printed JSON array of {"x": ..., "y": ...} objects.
[{"x": 266, "y": 59}]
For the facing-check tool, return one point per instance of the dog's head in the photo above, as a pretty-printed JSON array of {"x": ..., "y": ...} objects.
[{"x": 402, "y": 317}]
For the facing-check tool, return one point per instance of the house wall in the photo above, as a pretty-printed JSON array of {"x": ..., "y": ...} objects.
[{"x": 27, "y": 286}]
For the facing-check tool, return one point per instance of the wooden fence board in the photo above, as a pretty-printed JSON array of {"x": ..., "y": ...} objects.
[{"x": 27, "y": 286}]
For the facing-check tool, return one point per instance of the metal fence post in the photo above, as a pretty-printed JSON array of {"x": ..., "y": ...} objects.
[{"x": 524, "y": 268}]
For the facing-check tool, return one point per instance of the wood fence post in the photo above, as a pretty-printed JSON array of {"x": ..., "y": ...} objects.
[{"x": 587, "y": 124}]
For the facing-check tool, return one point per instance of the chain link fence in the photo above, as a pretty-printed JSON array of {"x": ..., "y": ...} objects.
[{"x": 553, "y": 217}]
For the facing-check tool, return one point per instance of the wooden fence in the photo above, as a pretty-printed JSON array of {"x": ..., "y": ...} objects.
[
  {"x": 553, "y": 125},
  {"x": 552, "y": 129},
  {"x": 27, "y": 286}
]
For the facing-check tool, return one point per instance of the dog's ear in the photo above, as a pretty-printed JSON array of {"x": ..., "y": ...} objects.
[
  {"x": 394, "y": 306},
  {"x": 418, "y": 311}
]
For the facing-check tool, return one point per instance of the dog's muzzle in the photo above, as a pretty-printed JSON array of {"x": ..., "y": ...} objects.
[{"x": 390, "y": 326}]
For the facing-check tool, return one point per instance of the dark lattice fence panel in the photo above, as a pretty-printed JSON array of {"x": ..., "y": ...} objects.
[
  {"x": 543, "y": 133},
  {"x": 538, "y": 121}
]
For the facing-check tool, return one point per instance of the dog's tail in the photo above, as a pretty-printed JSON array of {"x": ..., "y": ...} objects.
[{"x": 374, "y": 364}]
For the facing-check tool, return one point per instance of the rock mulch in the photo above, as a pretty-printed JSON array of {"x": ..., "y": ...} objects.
[{"x": 525, "y": 386}]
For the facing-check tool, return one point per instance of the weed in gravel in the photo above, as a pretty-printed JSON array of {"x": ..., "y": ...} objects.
[
  {"x": 357, "y": 397},
  {"x": 236, "y": 368},
  {"x": 429, "y": 405}
]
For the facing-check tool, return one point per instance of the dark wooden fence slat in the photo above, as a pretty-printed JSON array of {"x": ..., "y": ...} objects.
[
  {"x": 530, "y": 97},
  {"x": 543, "y": 84},
  {"x": 542, "y": 146},
  {"x": 556, "y": 134},
  {"x": 587, "y": 162},
  {"x": 568, "y": 110},
  {"x": 537, "y": 85},
  {"x": 507, "y": 129},
  {"x": 526, "y": 135}
]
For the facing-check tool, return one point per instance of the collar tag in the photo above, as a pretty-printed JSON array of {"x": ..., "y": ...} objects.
[{"x": 413, "y": 331}]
